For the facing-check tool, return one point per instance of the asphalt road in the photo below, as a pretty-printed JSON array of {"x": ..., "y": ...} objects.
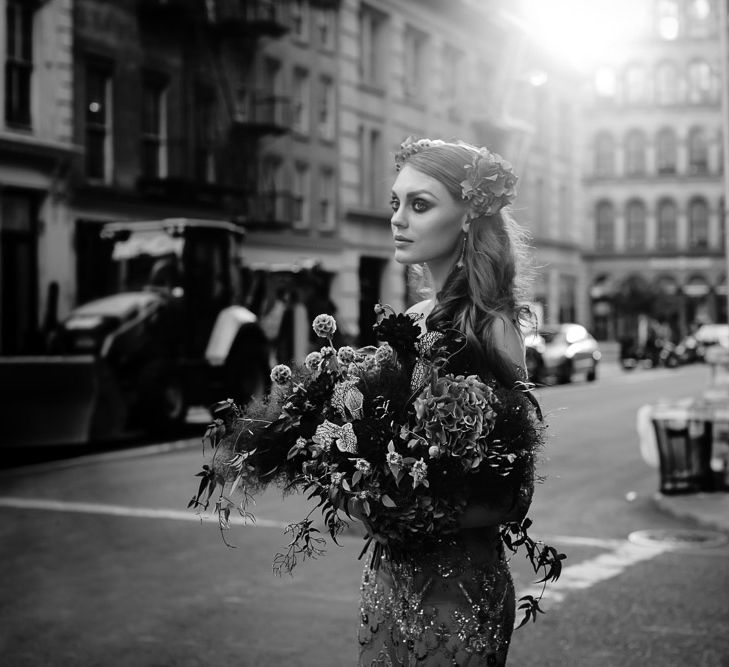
[{"x": 103, "y": 565}]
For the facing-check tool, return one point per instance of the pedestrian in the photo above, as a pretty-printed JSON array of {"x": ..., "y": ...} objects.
[{"x": 455, "y": 605}]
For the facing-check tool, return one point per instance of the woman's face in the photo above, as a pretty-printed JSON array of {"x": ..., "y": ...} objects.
[{"x": 427, "y": 222}]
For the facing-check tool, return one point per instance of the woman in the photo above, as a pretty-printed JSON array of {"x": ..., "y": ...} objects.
[{"x": 455, "y": 604}]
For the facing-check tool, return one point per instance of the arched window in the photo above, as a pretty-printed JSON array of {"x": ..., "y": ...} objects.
[
  {"x": 635, "y": 148},
  {"x": 604, "y": 154},
  {"x": 635, "y": 225},
  {"x": 666, "y": 151},
  {"x": 605, "y": 226},
  {"x": 698, "y": 151},
  {"x": 635, "y": 85},
  {"x": 702, "y": 83},
  {"x": 701, "y": 21},
  {"x": 666, "y": 84},
  {"x": 667, "y": 19},
  {"x": 667, "y": 225},
  {"x": 698, "y": 216}
]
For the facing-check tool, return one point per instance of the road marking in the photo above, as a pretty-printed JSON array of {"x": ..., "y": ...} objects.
[
  {"x": 136, "y": 512},
  {"x": 620, "y": 554},
  {"x": 589, "y": 572}
]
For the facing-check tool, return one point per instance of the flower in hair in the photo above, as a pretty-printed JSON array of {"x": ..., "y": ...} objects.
[
  {"x": 490, "y": 183},
  {"x": 410, "y": 146}
]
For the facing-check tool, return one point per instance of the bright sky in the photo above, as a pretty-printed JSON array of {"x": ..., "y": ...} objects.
[{"x": 582, "y": 32}]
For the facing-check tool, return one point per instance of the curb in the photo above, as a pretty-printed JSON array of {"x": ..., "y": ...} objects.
[{"x": 665, "y": 504}]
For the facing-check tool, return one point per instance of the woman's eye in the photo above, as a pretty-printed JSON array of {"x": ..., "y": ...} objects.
[
  {"x": 394, "y": 204},
  {"x": 420, "y": 206}
]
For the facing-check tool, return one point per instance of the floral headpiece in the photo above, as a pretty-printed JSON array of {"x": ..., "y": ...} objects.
[{"x": 490, "y": 182}]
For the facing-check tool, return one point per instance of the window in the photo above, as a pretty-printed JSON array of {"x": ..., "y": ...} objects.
[
  {"x": 666, "y": 84},
  {"x": 567, "y": 298},
  {"x": 604, "y": 154},
  {"x": 300, "y": 20},
  {"x": 371, "y": 160},
  {"x": 667, "y": 225},
  {"x": 301, "y": 101},
  {"x": 635, "y": 225},
  {"x": 702, "y": 84},
  {"x": 326, "y": 112},
  {"x": 698, "y": 152},
  {"x": 635, "y": 149},
  {"x": 700, "y": 21},
  {"x": 414, "y": 64},
  {"x": 98, "y": 121},
  {"x": 325, "y": 27},
  {"x": 154, "y": 127},
  {"x": 698, "y": 215},
  {"x": 605, "y": 227},
  {"x": 301, "y": 217},
  {"x": 667, "y": 19},
  {"x": 205, "y": 168},
  {"x": 452, "y": 75},
  {"x": 605, "y": 85},
  {"x": 371, "y": 41},
  {"x": 666, "y": 151},
  {"x": 636, "y": 85},
  {"x": 327, "y": 221},
  {"x": 18, "y": 63},
  {"x": 270, "y": 187}
]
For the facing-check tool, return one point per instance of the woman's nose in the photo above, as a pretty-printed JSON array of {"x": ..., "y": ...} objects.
[{"x": 397, "y": 219}]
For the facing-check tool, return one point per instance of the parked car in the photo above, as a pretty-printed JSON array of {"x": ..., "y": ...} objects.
[{"x": 556, "y": 353}]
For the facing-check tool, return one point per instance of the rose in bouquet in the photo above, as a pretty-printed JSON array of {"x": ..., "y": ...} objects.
[{"x": 390, "y": 433}]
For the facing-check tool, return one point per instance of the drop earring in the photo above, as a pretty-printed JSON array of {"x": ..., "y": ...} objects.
[{"x": 459, "y": 263}]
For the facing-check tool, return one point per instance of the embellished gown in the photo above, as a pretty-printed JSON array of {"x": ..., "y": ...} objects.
[{"x": 451, "y": 605}]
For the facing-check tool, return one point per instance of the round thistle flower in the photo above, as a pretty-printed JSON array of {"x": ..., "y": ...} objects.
[
  {"x": 354, "y": 370},
  {"x": 312, "y": 361},
  {"x": 324, "y": 325},
  {"x": 280, "y": 374},
  {"x": 369, "y": 364},
  {"x": 434, "y": 452},
  {"x": 327, "y": 352},
  {"x": 384, "y": 354},
  {"x": 346, "y": 355}
]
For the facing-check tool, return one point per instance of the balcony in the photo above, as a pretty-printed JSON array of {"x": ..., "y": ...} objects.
[
  {"x": 262, "y": 113},
  {"x": 252, "y": 18},
  {"x": 190, "y": 192}
]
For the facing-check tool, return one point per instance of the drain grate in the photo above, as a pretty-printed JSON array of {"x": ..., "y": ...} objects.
[{"x": 679, "y": 539}]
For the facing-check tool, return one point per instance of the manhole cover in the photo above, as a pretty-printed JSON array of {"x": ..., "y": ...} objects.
[{"x": 686, "y": 539}]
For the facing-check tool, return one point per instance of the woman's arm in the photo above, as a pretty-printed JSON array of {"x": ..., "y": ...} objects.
[{"x": 508, "y": 339}]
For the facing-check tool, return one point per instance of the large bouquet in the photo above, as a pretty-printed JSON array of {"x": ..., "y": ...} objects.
[{"x": 390, "y": 434}]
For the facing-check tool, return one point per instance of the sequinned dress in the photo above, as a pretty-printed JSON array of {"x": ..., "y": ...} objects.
[{"x": 453, "y": 604}]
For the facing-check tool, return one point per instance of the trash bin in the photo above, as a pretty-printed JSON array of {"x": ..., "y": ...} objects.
[{"x": 684, "y": 454}]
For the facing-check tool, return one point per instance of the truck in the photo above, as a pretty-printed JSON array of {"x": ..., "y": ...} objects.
[{"x": 171, "y": 333}]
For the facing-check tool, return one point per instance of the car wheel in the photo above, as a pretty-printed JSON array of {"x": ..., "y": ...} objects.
[
  {"x": 565, "y": 374},
  {"x": 592, "y": 373}
]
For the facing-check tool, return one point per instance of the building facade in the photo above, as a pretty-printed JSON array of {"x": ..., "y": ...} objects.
[
  {"x": 37, "y": 149},
  {"x": 453, "y": 70},
  {"x": 654, "y": 185}
]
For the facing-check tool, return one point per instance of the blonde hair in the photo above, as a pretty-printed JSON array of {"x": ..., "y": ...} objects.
[{"x": 490, "y": 286}]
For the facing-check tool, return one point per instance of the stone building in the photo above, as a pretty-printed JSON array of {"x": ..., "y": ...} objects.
[
  {"x": 36, "y": 151},
  {"x": 653, "y": 188}
]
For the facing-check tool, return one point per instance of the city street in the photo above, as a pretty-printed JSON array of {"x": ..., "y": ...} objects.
[{"x": 103, "y": 565}]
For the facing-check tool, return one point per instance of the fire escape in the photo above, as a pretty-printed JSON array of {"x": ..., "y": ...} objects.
[{"x": 224, "y": 37}]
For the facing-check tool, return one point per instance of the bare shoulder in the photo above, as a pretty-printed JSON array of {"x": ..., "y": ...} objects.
[
  {"x": 421, "y": 308},
  {"x": 507, "y": 337}
]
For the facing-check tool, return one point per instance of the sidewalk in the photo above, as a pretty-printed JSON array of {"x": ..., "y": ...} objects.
[{"x": 708, "y": 510}]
